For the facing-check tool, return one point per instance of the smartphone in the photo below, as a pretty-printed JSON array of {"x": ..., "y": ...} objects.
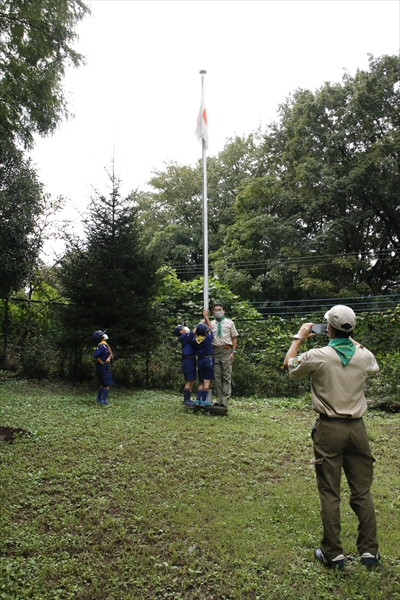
[{"x": 319, "y": 329}]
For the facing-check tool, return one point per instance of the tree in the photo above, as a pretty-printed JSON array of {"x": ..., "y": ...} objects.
[
  {"x": 254, "y": 259},
  {"x": 173, "y": 216},
  {"x": 35, "y": 48},
  {"x": 172, "y": 213},
  {"x": 325, "y": 219},
  {"x": 21, "y": 204},
  {"x": 110, "y": 277},
  {"x": 342, "y": 151}
]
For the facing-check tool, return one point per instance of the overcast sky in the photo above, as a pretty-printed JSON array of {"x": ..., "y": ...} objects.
[{"x": 138, "y": 96}]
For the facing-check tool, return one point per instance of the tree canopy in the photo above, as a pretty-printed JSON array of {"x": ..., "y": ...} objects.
[
  {"x": 36, "y": 40},
  {"x": 308, "y": 208},
  {"x": 172, "y": 212}
]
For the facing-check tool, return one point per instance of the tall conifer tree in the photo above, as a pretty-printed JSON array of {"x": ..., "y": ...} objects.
[{"x": 111, "y": 277}]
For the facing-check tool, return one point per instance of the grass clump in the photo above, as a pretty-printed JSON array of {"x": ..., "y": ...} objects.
[{"x": 144, "y": 500}]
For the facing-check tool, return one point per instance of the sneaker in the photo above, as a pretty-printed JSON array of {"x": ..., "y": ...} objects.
[
  {"x": 337, "y": 562},
  {"x": 188, "y": 403},
  {"x": 202, "y": 403},
  {"x": 369, "y": 560}
]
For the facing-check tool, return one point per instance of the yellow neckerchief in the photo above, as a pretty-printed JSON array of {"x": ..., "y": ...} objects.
[
  {"x": 200, "y": 338},
  {"x": 105, "y": 343}
]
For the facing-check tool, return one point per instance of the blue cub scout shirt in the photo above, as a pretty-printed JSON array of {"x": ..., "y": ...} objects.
[
  {"x": 204, "y": 348},
  {"x": 185, "y": 340},
  {"x": 102, "y": 352}
]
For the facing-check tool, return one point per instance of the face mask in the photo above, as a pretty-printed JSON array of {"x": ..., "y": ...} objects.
[
  {"x": 218, "y": 314},
  {"x": 105, "y": 336},
  {"x": 186, "y": 330}
]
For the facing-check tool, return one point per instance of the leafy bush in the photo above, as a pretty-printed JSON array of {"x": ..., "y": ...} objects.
[
  {"x": 38, "y": 358},
  {"x": 258, "y": 367}
]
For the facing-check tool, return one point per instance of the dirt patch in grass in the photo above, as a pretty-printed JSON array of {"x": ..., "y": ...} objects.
[{"x": 9, "y": 434}]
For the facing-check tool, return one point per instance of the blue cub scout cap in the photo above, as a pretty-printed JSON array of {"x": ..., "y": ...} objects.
[
  {"x": 201, "y": 329},
  {"x": 98, "y": 334},
  {"x": 177, "y": 330}
]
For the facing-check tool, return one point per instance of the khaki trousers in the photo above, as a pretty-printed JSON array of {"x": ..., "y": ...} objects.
[
  {"x": 344, "y": 443},
  {"x": 222, "y": 375}
]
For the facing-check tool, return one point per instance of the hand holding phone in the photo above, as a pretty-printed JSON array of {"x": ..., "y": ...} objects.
[{"x": 319, "y": 328}]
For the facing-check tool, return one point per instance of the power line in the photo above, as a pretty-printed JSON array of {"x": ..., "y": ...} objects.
[
  {"x": 251, "y": 265},
  {"x": 331, "y": 299},
  {"x": 290, "y": 308}
]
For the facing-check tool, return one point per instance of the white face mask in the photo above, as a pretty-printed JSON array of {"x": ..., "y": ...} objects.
[
  {"x": 186, "y": 330},
  {"x": 218, "y": 314},
  {"x": 105, "y": 336}
]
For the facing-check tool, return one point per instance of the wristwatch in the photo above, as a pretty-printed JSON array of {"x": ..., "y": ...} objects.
[{"x": 298, "y": 337}]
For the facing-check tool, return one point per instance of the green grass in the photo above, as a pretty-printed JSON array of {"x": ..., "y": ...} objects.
[{"x": 143, "y": 500}]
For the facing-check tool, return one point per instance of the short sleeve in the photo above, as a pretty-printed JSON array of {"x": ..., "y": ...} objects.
[{"x": 300, "y": 365}]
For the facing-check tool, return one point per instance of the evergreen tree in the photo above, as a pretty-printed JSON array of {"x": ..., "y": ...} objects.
[{"x": 111, "y": 277}]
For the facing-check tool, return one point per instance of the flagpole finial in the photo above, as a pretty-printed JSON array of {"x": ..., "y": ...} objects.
[{"x": 202, "y": 72}]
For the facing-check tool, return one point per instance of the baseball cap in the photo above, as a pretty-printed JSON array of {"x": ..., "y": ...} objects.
[
  {"x": 177, "y": 330},
  {"x": 341, "y": 317},
  {"x": 201, "y": 329},
  {"x": 98, "y": 334}
]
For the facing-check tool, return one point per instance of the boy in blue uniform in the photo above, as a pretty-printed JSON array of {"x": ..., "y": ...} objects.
[
  {"x": 188, "y": 361},
  {"x": 205, "y": 362},
  {"x": 102, "y": 355}
]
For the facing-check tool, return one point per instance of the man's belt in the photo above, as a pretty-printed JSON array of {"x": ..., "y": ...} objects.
[
  {"x": 323, "y": 417},
  {"x": 221, "y": 347}
]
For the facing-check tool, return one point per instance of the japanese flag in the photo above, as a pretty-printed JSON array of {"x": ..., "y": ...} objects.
[{"x": 202, "y": 129}]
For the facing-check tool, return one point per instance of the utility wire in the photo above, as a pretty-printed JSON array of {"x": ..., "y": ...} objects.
[{"x": 303, "y": 259}]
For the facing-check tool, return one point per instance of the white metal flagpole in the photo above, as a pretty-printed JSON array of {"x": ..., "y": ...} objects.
[{"x": 202, "y": 133}]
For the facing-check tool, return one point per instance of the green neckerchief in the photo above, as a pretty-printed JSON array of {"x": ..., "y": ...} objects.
[
  {"x": 219, "y": 326},
  {"x": 345, "y": 349}
]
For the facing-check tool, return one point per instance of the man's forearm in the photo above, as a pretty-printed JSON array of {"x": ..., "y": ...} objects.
[{"x": 292, "y": 352}]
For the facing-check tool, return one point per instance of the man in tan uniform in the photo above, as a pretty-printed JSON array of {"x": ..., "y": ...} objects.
[
  {"x": 224, "y": 345},
  {"x": 337, "y": 373}
]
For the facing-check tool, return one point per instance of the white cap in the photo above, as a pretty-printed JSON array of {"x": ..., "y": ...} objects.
[{"x": 341, "y": 317}]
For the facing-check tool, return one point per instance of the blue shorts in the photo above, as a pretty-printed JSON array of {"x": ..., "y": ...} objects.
[
  {"x": 205, "y": 367},
  {"x": 189, "y": 368},
  {"x": 104, "y": 374}
]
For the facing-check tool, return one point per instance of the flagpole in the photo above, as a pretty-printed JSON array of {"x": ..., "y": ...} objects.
[{"x": 205, "y": 209}]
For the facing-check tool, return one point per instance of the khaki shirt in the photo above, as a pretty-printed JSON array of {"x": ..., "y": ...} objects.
[
  {"x": 336, "y": 391},
  {"x": 228, "y": 332}
]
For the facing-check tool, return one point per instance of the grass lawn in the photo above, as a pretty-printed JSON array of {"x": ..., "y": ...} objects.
[{"x": 144, "y": 500}]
